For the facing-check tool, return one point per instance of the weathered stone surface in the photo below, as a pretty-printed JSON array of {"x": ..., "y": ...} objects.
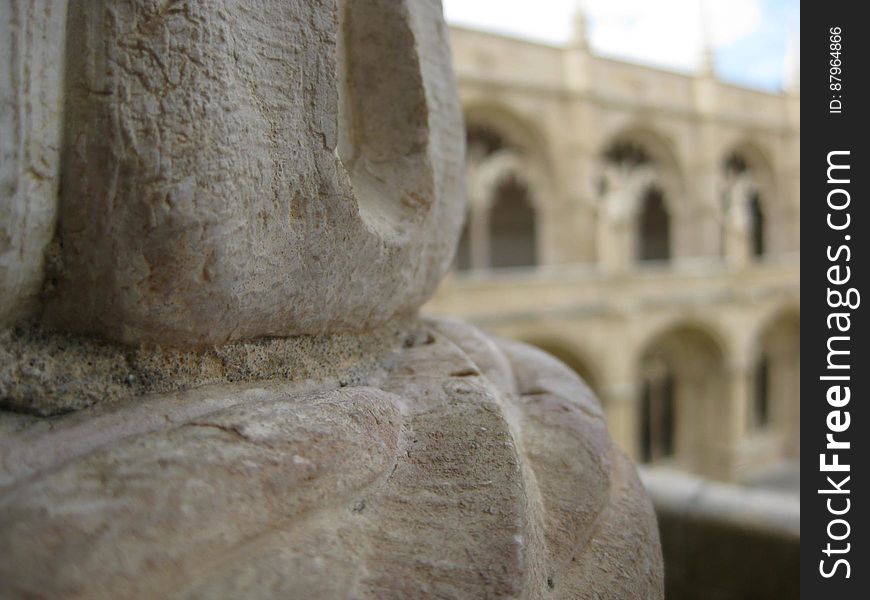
[
  {"x": 431, "y": 481},
  {"x": 46, "y": 373},
  {"x": 243, "y": 169},
  {"x": 32, "y": 37}
]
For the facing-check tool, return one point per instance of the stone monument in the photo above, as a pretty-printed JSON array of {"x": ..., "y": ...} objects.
[{"x": 219, "y": 220}]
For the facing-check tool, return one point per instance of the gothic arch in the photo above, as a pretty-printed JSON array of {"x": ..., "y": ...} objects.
[
  {"x": 641, "y": 191},
  {"x": 682, "y": 399},
  {"x": 508, "y": 183},
  {"x": 500, "y": 168},
  {"x": 660, "y": 150},
  {"x": 518, "y": 132},
  {"x": 522, "y": 147},
  {"x": 759, "y": 160}
]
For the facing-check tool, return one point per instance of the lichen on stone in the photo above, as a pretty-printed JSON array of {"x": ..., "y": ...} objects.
[{"x": 46, "y": 373}]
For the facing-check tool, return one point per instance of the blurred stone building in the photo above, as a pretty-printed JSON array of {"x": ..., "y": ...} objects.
[{"x": 643, "y": 226}]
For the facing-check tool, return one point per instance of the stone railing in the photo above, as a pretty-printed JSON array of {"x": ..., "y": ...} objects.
[{"x": 725, "y": 541}]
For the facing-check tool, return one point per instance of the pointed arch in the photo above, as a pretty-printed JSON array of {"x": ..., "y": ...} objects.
[
  {"x": 507, "y": 178},
  {"x": 648, "y": 147},
  {"x": 512, "y": 130},
  {"x": 506, "y": 188},
  {"x": 641, "y": 186}
]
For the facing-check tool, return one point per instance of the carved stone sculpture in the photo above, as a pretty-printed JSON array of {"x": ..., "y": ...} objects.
[{"x": 224, "y": 389}]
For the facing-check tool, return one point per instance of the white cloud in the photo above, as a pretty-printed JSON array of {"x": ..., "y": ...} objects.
[
  {"x": 669, "y": 32},
  {"x": 544, "y": 20},
  {"x": 664, "y": 32}
]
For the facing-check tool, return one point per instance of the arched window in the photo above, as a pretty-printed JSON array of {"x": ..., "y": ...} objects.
[
  {"x": 513, "y": 238},
  {"x": 654, "y": 227},
  {"x": 756, "y": 226},
  {"x": 502, "y": 232}
]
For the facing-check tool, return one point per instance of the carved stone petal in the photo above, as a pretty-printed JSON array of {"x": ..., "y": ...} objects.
[
  {"x": 32, "y": 38},
  {"x": 243, "y": 169},
  {"x": 433, "y": 483}
]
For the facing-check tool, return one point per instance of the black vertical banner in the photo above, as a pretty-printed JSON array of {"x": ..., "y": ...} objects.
[{"x": 835, "y": 421}]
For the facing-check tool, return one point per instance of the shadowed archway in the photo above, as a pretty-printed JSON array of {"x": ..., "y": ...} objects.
[
  {"x": 654, "y": 227},
  {"x": 513, "y": 235},
  {"x": 775, "y": 399},
  {"x": 682, "y": 398}
]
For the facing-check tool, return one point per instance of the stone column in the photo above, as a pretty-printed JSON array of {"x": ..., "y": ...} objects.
[
  {"x": 737, "y": 223},
  {"x": 791, "y": 376},
  {"x": 729, "y": 422},
  {"x": 615, "y": 229},
  {"x": 615, "y": 246},
  {"x": 736, "y": 247}
]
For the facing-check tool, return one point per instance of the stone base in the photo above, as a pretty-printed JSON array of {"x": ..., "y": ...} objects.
[{"x": 468, "y": 468}]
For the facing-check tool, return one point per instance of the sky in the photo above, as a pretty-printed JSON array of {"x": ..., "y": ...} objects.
[{"x": 749, "y": 37}]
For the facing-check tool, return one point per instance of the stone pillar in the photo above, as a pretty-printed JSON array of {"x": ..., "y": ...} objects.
[
  {"x": 576, "y": 57},
  {"x": 738, "y": 253},
  {"x": 736, "y": 247},
  {"x": 706, "y": 218},
  {"x": 729, "y": 424},
  {"x": 791, "y": 386},
  {"x": 704, "y": 164},
  {"x": 615, "y": 245},
  {"x": 615, "y": 229}
]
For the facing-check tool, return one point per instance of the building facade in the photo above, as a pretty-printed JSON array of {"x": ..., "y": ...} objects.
[{"x": 643, "y": 226}]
